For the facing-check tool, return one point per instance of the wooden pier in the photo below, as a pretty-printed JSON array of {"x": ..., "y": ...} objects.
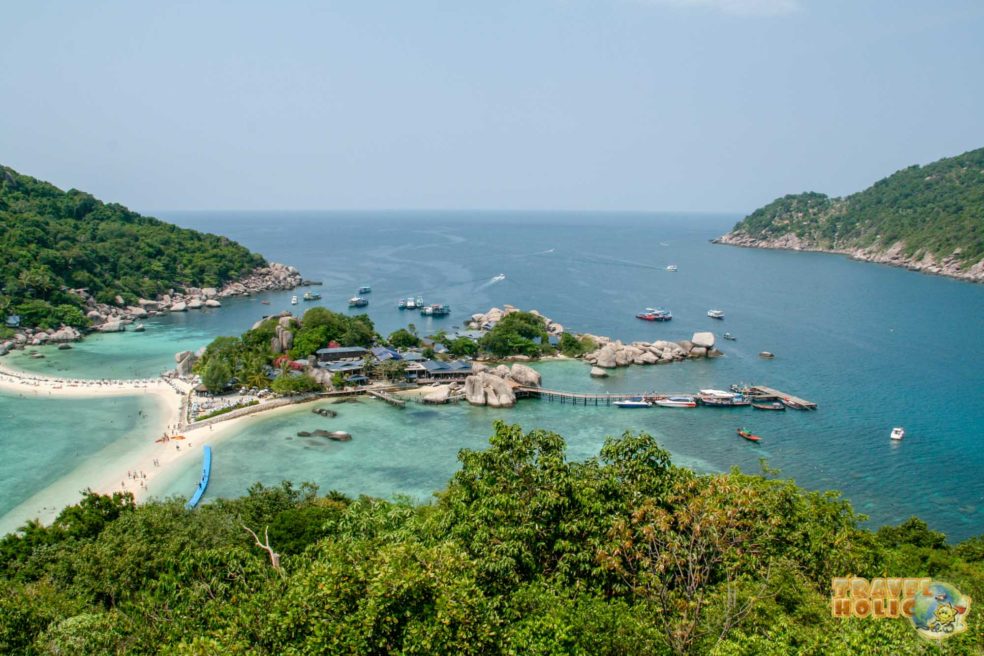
[
  {"x": 763, "y": 393},
  {"x": 758, "y": 392},
  {"x": 394, "y": 401}
]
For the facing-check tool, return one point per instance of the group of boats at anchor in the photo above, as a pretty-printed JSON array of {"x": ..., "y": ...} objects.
[
  {"x": 417, "y": 303},
  {"x": 662, "y": 314},
  {"x": 409, "y": 303},
  {"x": 707, "y": 397}
]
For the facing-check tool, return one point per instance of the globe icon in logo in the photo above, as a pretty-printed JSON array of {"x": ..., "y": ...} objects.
[{"x": 941, "y": 613}]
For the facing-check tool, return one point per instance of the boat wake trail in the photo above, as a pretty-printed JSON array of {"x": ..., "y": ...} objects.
[
  {"x": 612, "y": 261},
  {"x": 494, "y": 280}
]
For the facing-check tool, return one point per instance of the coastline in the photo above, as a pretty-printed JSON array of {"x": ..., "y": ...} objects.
[{"x": 892, "y": 256}]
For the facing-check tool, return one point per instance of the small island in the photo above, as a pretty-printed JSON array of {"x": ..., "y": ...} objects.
[{"x": 925, "y": 218}]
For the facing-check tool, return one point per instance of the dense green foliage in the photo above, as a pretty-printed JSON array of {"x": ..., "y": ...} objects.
[
  {"x": 320, "y": 325},
  {"x": 52, "y": 241},
  {"x": 403, "y": 339},
  {"x": 289, "y": 384},
  {"x": 245, "y": 359},
  {"x": 525, "y": 552},
  {"x": 937, "y": 208},
  {"x": 517, "y": 333},
  {"x": 574, "y": 347}
]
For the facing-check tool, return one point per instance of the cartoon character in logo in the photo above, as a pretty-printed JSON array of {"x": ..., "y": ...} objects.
[{"x": 940, "y": 613}]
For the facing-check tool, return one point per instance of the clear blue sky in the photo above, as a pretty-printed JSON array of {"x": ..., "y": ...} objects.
[{"x": 539, "y": 104}]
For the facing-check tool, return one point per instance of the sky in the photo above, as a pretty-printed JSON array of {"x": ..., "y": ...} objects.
[{"x": 656, "y": 105}]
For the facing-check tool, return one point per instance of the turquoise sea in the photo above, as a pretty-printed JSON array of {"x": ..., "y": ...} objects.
[{"x": 875, "y": 346}]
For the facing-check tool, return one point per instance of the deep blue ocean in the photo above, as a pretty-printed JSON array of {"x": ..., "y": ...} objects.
[{"x": 874, "y": 346}]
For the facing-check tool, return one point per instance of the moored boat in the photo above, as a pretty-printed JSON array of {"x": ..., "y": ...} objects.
[
  {"x": 677, "y": 402},
  {"x": 898, "y": 433},
  {"x": 747, "y": 434},
  {"x": 775, "y": 405},
  {"x": 365, "y": 289},
  {"x": 655, "y": 314},
  {"x": 436, "y": 310},
  {"x": 293, "y": 300},
  {"x": 730, "y": 337},
  {"x": 721, "y": 399},
  {"x": 716, "y": 314},
  {"x": 358, "y": 301},
  {"x": 637, "y": 402},
  {"x": 312, "y": 296}
]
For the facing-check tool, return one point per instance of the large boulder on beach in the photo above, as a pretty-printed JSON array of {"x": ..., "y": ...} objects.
[
  {"x": 440, "y": 395},
  {"x": 502, "y": 371},
  {"x": 195, "y": 304},
  {"x": 703, "y": 339},
  {"x": 478, "y": 367},
  {"x": 697, "y": 352},
  {"x": 210, "y": 292},
  {"x": 525, "y": 376},
  {"x": 646, "y": 358},
  {"x": 686, "y": 345},
  {"x": 598, "y": 372},
  {"x": 136, "y": 312},
  {"x": 111, "y": 327},
  {"x": 212, "y": 303},
  {"x": 180, "y": 306},
  {"x": 64, "y": 334},
  {"x": 148, "y": 305}
]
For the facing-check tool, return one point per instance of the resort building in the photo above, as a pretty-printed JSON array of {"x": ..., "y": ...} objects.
[{"x": 340, "y": 353}]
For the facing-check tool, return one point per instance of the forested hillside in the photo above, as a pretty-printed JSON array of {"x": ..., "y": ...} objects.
[
  {"x": 525, "y": 552},
  {"x": 935, "y": 210},
  {"x": 53, "y": 240}
]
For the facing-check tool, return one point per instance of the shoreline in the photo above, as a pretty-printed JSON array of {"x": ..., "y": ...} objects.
[{"x": 892, "y": 256}]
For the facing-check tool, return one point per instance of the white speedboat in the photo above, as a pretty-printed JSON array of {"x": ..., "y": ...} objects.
[
  {"x": 672, "y": 267},
  {"x": 898, "y": 433},
  {"x": 293, "y": 300},
  {"x": 637, "y": 402},
  {"x": 677, "y": 402},
  {"x": 499, "y": 278},
  {"x": 715, "y": 314}
]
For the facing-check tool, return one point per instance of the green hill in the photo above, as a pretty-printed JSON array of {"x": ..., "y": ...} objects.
[
  {"x": 923, "y": 216},
  {"x": 525, "y": 552},
  {"x": 52, "y": 241}
]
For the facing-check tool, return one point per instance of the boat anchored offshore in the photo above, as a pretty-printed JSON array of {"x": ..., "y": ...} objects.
[
  {"x": 436, "y": 310},
  {"x": 410, "y": 303},
  {"x": 365, "y": 290},
  {"x": 775, "y": 405},
  {"x": 637, "y": 402},
  {"x": 677, "y": 402},
  {"x": 312, "y": 296},
  {"x": 293, "y": 300},
  {"x": 358, "y": 301},
  {"x": 747, "y": 434},
  {"x": 716, "y": 314},
  {"x": 898, "y": 433},
  {"x": 730, "y": 337},
  {"x": 655, "y": 314}
]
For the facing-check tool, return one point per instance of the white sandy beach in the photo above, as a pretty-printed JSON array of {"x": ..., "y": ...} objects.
[{"x": 110, "y": 469}]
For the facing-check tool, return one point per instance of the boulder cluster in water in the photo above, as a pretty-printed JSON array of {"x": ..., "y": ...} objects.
[
  {"x": 611, "y": 354},
  {"x": 495, "y": 386}
]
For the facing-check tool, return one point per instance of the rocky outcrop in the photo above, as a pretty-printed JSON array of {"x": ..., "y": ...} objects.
[
  {"x": 111, "y": 327},
  {"x": 705, "y": 340},
  {"x": 186, "y": 361},
  {"x": 212, "y": 303},
  {"x": 612, "y": 354},
  {"x": 525, "y": 376},
  {"x": 488, "y": 389},
  {"x": 195, "y": 303},
  {"x": 180, "y": 306},
  {"x": 275, "y": 276},
  {"x": 440, "y": 395},
  {"x": 482, "y": 321},
  {"x": 65, "y": 334},
  {"x": 598, "y": 372},
  {"x": 494, "y": 387}
]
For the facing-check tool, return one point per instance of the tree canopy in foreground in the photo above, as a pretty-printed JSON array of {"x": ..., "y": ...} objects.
[{"x": 525, "y": 552}]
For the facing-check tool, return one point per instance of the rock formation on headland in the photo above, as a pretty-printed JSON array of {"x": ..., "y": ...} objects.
[
  {"x": 107, "y": 318},
  {"x": 924, "y": 218},
  {"x": 481, "y": 320}
]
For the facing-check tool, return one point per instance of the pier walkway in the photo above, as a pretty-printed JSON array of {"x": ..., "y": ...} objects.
[
  {"x": 761, "y": 392},
  {"x": 758, "y": 392},
  {"x": 394, "y": 401}
]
